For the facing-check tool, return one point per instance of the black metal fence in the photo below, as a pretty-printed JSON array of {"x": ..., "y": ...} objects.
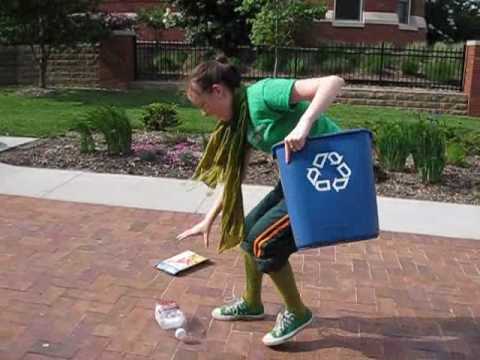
[{"x": 381, "y": 64}]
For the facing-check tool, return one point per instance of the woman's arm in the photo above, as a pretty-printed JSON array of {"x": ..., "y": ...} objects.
[
  {"x": 320, "y": 92},
  {"x": 204, "y": 226}
]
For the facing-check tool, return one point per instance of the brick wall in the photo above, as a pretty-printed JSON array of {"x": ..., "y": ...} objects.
[
  {"x": 73, "y": 68},
  {"x": 368, "y": 5},
  {"x": 111, "y": 64},
  {"x": 130, "y": 5},
  {"x": 381, "y": 6},
  {"x": 27, "y": 72},
  {"x": 8, "y": 65},
  {"x": 371, "y": 33},
  {"x": 415, "y": 100},
  {"x": 418, "y": 8},
  {"x": 472, "y": 77},
  {"x": 116, "y": 62},
  {"x": 149, "y": 34}
]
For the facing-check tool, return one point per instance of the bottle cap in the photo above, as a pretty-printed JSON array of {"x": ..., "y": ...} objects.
[{"x": 180, "y": 333}]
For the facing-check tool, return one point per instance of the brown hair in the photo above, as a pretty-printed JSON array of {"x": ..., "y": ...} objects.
[{"x": 218, "y": 71}]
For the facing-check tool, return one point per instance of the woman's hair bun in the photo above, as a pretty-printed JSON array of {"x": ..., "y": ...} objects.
[
  {"x": 216, "y": 71},
  {"x": 221, "y": 58}
]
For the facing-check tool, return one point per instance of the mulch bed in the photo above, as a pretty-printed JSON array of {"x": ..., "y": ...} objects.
[{"x": 165, "y": 155}]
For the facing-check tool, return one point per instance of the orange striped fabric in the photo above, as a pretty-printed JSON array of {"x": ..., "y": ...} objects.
[
  {"x": 269, "y": 233},
  {"x": 266, "y": 232}
]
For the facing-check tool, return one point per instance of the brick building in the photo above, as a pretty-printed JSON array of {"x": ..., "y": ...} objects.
[
  {"x": 129, "y": 6},
  {"x": 369, "y": 21}
]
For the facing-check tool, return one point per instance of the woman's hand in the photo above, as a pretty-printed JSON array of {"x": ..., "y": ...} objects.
[
  {"x": 295, "y": 141},
  {"x": 320, "y": 92},
  {"x": 202, "y": 228}
]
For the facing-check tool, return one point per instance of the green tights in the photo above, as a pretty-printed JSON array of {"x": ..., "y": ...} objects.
[{"x": 284, "y": 281}]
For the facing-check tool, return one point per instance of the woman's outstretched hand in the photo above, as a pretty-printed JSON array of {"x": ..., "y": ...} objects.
[{"x": 202, "y": 228}]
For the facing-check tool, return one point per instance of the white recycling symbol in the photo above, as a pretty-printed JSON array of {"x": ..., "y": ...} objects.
[{"x": 334, "y": 159}]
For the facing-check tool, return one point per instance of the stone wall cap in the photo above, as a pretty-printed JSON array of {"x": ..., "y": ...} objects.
[
  {"x": 124, "y": 32},
  {"x": 473, "y": 42}
]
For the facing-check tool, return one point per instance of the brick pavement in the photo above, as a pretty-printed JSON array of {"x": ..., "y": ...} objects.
[{"x": 76, "y": 282}]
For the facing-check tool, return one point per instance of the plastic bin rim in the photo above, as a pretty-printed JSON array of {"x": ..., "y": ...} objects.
[{"x": 339, "y": 133}]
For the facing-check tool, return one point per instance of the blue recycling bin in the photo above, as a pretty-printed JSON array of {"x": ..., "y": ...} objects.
[{"x": 329, "y": 189}]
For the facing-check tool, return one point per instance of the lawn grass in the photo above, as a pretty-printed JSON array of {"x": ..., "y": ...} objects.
[
  {"x": 54, "y": 114},
  {"x": 345, "y": 114}
]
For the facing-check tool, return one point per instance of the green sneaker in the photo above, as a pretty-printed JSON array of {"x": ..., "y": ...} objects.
[
  {"x": 237, "y": 310},
  {"x": 286, "y": 327}
]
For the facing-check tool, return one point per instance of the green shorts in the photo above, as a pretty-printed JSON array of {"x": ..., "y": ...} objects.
[{"x": 269, "y": 237}]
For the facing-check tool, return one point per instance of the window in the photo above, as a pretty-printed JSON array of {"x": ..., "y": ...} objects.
[
  {"x": 403, "y": 11},
  {"x": 348, "y": 10}
]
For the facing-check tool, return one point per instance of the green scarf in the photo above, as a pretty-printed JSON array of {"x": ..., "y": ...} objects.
[{"x": 223, "y": 162}]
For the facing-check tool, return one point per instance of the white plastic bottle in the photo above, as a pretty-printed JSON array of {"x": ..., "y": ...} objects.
[{"x": 168, "y": 315}]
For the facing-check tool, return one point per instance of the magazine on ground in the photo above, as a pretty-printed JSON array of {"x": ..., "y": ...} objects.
[{"x": 180, "y": 262}]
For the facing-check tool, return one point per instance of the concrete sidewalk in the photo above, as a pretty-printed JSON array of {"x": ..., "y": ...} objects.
[
  {"x": 409, "y": 216},
  {"x": 8, "y": 142}
]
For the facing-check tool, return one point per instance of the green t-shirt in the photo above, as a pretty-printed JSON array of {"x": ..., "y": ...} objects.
[{"x": 272, "y": 117}]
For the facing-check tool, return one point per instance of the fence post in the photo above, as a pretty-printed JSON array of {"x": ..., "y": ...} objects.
[
  {"x": 116, "y": 60},
  {"x": 381, "y": 60},
  {"x": 471, "y": 85},
  {"x": 135, "y": 60},
  {"x": 296, "y": 60}
]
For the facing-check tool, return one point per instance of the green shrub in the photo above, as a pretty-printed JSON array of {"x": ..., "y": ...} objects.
[
  {"x": 160, "y": 116},
  {"x": 191, "y": 61},
  {"x": 410, "y": 67},
  {"x": 337, "y": 66},
  {"x": 372, "y": 64},
  {"x": 322, "y": 54},
  {"x": 456, "y": 155},
  {"x": 114, "y": 125},
  {"x": 393, "y": 144},
  {"x": 170, "y": 60},
  {"x": 418, "y": 45},
  {"x": 442, "y": 46},
  {"x": 375, "y": 63},
  {"x": 471, "y": 142},
  {"x": 297, "y": 67},
  {"x": 265, "y": 62},
  {"x": 195, "y": 58},
  {"x": 337, "y": 59},
  {"x": 373, "y": 126},
  {"x": 443, "y": 71},
  {"x": 238, "y": 63},
  {"x": 148, "y": 156},
  {"x": 87, "y": 144},
  {"x": 172, "y": 139},
  {"x": 429, "y": 149},
  {"x": 468, "y": 138},
  {"x": 188, "y": 158}
]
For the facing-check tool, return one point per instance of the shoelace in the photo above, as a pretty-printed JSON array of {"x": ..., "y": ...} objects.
[
  {"x": 283, "y": 321},
  {"x": 234, "y": 307}
]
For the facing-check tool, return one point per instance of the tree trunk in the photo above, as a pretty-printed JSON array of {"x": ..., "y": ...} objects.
[
  {"x": 43, "y": 74},
  {"x": 42, "y": 62},
  {"x": 275, "y": 66},
  {"x": 44, "y": 55}
]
